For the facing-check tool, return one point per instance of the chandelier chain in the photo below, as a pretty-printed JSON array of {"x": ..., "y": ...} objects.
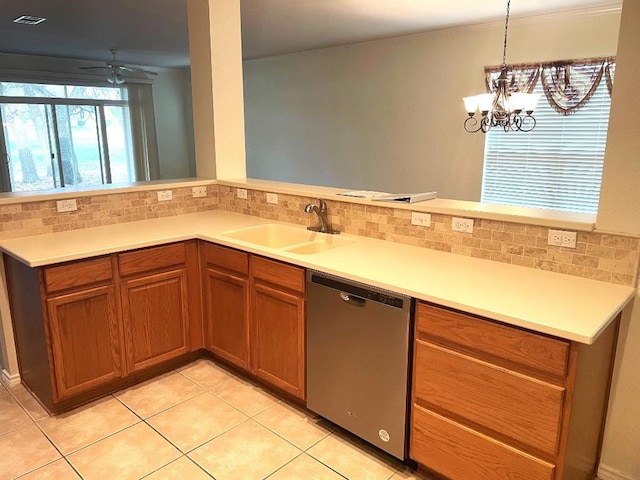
[{"x": 506, "y": 32}]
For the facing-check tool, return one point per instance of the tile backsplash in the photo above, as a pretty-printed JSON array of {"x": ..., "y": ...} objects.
[{"x": 599, "y": 256}]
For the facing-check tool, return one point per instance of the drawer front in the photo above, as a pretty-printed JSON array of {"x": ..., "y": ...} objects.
[
  {"x": 460, "y": 453},
  {"x": 505, "y": 404},
  {"x": 226, "y": 258},
  {"x": 77, "y": 274},
  {"x": 530, "y": 350},
  {"x": 278, "y": 273},
  {"x": 152, "y": 259}
]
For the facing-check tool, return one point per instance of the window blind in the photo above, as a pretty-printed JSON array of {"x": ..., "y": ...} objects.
[{"x": 558, "y": 165}]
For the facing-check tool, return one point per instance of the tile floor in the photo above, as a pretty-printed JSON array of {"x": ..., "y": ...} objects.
[{"x": 195, "y": 423}]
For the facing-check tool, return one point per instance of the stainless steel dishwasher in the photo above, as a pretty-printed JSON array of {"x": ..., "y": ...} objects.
[{"x": 358, "y": 359}]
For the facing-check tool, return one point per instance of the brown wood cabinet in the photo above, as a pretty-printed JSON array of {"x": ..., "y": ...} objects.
[
  {"x": 225, "y": 285},
  {"x": 82, "y": 328},
  {"x": 254, "y": 314},
  {"x": 278, "y": 324},
  {"x": 497, "y": 402}
]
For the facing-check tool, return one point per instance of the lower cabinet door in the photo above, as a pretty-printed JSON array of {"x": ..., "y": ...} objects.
[
  {"x": 277, "y": 338},
  {"x": 85, "y": 340},
  {"x": 226, "y": 298},
  {"x": 460, "y": 453},
  {"x": 155, "y": 318}
]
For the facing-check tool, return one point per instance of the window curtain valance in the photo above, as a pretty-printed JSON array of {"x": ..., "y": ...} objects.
[{"x": 568, "y": 85}]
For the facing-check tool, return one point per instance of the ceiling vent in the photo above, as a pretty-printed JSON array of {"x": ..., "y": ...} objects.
[{"x": 29, "y": 20}]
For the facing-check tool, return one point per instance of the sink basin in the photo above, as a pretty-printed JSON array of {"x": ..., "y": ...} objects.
[
  {"x": 273, "y": 235},
  {"x": 320, "y": 244},
  {"x": 291, "y": 239}
]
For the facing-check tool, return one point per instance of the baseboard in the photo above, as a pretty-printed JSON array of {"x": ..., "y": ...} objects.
[
  {"x": 607, "y": 473},
  {"x": 9, "y": 380}
]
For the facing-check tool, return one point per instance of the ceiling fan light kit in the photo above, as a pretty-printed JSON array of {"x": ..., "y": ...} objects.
[
  {"x": 504, "y": 109},
  {"x": 115, "y": 70}
]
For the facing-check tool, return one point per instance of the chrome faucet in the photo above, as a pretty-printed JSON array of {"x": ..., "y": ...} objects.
[{"x": 321, "y": 211}]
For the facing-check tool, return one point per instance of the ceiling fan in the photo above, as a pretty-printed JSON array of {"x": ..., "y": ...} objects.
[{"x": 116, "y": 70}]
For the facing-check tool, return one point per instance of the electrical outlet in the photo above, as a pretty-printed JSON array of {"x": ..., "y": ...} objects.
[
  {"x": 199, "y": 192},
  {"x": 165, "y": 195},
  {"x": 67, "y": 205},
  {"x": 464, "y": 225},
  {"x": 242, "y": 193},
  {"x": 555, "y": 238},
  {"x": 272, "y": 198},
  {"x": 421, "y": 219},
  {"x": 569, "y": 239}
]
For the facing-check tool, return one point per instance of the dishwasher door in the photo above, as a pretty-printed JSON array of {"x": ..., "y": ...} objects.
[{"x": 358, "y": 359}]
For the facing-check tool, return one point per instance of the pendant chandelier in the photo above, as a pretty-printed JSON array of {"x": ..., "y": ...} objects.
[{"x": 509, "y": 111}]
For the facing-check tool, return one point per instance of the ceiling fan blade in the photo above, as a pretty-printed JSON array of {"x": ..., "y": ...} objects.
[
  {"x": 94, "y": 68},
  {"x": 139, "y": 70}
]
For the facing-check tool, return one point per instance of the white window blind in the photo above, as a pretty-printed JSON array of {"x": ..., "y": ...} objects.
[{"x": 557, "y": 166}]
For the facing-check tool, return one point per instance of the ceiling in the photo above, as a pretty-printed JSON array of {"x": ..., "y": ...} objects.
[{"x": 153, "y": 32}]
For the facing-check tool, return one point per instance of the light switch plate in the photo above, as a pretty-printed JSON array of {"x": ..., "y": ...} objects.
[
  {"x": 242, "y": 193},
  {"x": 164, "y": 195},
  {"x": 68, "y": 205}
]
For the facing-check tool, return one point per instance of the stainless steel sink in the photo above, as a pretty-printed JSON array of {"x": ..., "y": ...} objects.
[{"x": 284, "y": 237}]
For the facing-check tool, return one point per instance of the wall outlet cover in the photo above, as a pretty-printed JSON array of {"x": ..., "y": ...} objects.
[
  {"x": 165, "y": 195},
  {"x": 421, "y": 219},
  {"x": 199, "y": 192},
  {"x": 555, "y": 238},
  {"x": 272, "y": 198},
  {"x": 68, "y": 205},
  {"x": 242, "y": 193},
  {"x": 464, "y": 225}
]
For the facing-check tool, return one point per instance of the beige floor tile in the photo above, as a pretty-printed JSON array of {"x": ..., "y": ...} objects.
[
  {"x": 58, "y": 470},
  {"x": 248, "y": 451},
  {"x": 181, "y": 469},
  {"x": 127, "y": 455},
  {"x": 408, "y": 474},
  {"x": 12, "y": 417},
  {"x": 206, "y": 373},
  {"x": 196, "y": 421},
  {"x": 158, "y": 394},
  {"x": 85, "y": 425},
  {"x": 305, "y": 468},
  {"x": 28, "y": 402},
  {"x": 25, "y": 450},
  {"x": 352, "y": 459},
  {"x": 249, "y": 399},
  {"x": 292, "y": 424}
]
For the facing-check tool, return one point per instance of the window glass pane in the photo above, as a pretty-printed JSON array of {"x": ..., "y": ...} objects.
[
  {"x": 39, "y": 90},
  {"x": 120, "y": 144},
  {"x": 26, "y": 132},
  {"x": 558, "y": 165}
]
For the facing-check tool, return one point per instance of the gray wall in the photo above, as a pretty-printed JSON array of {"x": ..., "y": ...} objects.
[{"x": 387, "y": 115}]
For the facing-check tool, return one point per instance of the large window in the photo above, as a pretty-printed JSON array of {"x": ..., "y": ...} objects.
[
  {"x": 558, "y": 165},
  {"x": 62, "y": 135}
]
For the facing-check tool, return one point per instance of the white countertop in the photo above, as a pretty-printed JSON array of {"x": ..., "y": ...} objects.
[{"x": 569, "y": 307}]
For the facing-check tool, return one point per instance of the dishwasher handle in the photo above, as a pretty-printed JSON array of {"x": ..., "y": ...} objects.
[{"x": 353, "y": 299}]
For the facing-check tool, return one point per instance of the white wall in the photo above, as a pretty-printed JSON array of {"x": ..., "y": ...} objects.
[
  {"x": 387, "y": 115},
  {"x": 173, "y": 119},
  {"x": 619, "y": 212}
]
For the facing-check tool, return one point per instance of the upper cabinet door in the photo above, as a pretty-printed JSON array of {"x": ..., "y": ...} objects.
[
  {"x": 155, "y": 318},
  {"x": 85, "y": 340}
]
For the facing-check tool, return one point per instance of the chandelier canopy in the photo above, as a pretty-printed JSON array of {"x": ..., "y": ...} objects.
[{"x": 511, "y": 111}]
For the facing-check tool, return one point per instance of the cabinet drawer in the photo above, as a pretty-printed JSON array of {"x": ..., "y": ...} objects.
[
  {"x": 77, "y": 274},
  {"x": 152, "y": 258},
  {"x": 460, "y": 453},
  {"x": 499, "y": 343},
  {"x": 278, "y": 273},
  {"x": 509, "y": 405},
  {"x": 226, "y": 258}
]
